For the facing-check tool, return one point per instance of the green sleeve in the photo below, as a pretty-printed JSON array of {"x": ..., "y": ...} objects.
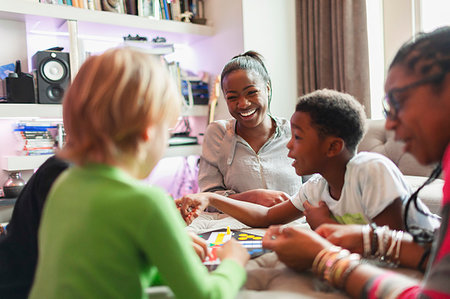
[{"x": 168, "y": 247}]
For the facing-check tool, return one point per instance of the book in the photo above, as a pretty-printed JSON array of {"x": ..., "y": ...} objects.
[
  {"x": 131, "y": 6},
  {"x": 176, "y": 10},
  {"x": 97, "y": 5},
  {"x": 91, "y": 5},
  {"x": 166, "y": 10}
]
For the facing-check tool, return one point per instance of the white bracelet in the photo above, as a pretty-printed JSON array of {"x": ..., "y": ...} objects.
[
  {"x": 391, "y": 247},
  {"x": 399, "y": 243},
  {"x": 366, "y": 240},
  {"x": 382, "y": 241}
]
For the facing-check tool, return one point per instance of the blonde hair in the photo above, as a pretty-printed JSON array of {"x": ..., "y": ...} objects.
[{"x": 114, "y": 98}]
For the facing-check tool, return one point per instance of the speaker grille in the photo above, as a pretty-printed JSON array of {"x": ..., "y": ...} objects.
[{"x": 54, "y": 70}]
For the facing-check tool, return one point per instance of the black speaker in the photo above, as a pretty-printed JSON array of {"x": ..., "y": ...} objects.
[
  {"x": 52, "y": 75},
  {"x": 19, "y": 86}
]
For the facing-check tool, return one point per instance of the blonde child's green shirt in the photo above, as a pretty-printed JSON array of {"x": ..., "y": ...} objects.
[{"x": 105, "y": 234}]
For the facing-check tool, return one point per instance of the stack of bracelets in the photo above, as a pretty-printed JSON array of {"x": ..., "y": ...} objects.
[
  {"x": 335, "y": 264},
  {"x": 378, "y": 246}
]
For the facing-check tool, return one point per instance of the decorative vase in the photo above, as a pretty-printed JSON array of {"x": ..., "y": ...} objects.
[{"x": 14, "y": 185}]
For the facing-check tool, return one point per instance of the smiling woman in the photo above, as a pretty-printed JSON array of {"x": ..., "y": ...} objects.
[{"x": 248, "y": 152}]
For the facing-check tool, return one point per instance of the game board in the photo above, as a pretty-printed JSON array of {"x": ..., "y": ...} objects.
[{"x": 215, "y": 239}]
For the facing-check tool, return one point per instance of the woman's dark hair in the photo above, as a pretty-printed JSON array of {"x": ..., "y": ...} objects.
[
  {"x": 248, "y": 61},
  {"x": 334, "y": 113},
  {"x": 426, "y": 54}
]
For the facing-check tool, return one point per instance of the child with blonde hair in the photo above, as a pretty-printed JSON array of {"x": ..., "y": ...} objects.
[{"x": 104, "y": 233}]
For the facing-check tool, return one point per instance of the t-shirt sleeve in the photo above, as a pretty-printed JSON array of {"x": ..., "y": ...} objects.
[
  {"x": 166, "y": 244},
  {"x": 310, "y": 191},
  {"x": 380, "y": 183}
]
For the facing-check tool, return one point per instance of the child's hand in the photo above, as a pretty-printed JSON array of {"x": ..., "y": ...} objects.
[
  {"x": 235, "y": 251},
  {"x": 192, "y": 205},
  {"x": 317, "y": 215},
  {"x": 347, "y": 236},
  {"x": 262, "y": 197},
  {"x": 200, "y": 245}
]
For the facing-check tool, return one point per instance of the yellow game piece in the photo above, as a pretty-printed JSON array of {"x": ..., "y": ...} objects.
[{"x": 228, "y": 230}]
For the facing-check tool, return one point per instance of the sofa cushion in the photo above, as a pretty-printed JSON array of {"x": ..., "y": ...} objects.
[{"x": 378, "y": 140}]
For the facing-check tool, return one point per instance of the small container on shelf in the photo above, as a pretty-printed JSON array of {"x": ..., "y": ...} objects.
[{"x": 13, "y": 185}]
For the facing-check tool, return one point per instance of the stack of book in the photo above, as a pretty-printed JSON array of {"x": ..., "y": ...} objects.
[
  {"x": 177, "y": 10},
  {"x": 195, "y": 92},
  {"x": 36, "y": 138}
]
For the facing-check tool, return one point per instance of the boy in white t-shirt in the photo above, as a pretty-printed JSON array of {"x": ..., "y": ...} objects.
[{"x": 346, "y": 187}]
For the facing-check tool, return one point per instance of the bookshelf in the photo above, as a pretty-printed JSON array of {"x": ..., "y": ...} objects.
[
  {"x": 72, "y": 25},
  {"x": 50, "y": 17}
]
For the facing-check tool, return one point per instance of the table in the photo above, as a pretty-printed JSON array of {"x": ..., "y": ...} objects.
[{"x": 267, "y": 277}]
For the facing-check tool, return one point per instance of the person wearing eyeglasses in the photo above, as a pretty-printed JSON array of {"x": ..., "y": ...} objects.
[{"x": 417, "y": 108}]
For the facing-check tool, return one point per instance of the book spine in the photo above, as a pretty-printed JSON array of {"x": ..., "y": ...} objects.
[
  {"x": 140, "y": 8},
  {"x": 166, "y": 10},
  {"x": 91, "y": 5}
]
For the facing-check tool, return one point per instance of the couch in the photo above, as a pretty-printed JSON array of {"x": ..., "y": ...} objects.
[{"x": 377, "y": 139}]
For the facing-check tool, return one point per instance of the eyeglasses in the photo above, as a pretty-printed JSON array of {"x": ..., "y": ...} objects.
[{"x": 391, "y": 106}]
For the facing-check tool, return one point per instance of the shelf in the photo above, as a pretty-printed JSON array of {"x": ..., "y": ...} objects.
[
  {"x": 41, "y": 17},
  {"x": 183, "y": 150},
  {"x": 16, "y": 163},
  {"x": 55, "y": 110},
  {"x": 30, "y": 110},
  {"x": 196, "y": 110}
]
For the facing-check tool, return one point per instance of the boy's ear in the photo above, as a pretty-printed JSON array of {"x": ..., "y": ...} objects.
[
  {"x": 148, "y": 133},
  {"x": 335, "y": 146}
]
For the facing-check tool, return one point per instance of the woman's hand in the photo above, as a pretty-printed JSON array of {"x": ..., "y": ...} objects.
[
  {"x": 235, "y": 251},
  {"x": 200, "y": 245},
  {"x": 347, "y": 236},
  {"x": 192, "y": 205},
  {"x": 262, "y": 197},
  {"x": 295, "y": 247}
]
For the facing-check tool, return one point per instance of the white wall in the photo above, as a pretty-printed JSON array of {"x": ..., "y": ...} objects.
[
  {"x": 269, "y": 28},
  {"x": 228, "y": 41},
  {"x": 14, "y": 43},
  {"x": 398, "y": 26}
]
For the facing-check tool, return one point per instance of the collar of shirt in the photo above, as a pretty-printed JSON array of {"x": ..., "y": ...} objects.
[{"x": 231, "y": 137}]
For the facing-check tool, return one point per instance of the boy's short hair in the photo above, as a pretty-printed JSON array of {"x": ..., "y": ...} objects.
[
  {"x": 335, "y": 113},
  {"x": 114, "y": 98}
]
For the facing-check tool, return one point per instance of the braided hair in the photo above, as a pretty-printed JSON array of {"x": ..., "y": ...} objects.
[
  {"x": 427, "y": 54},
  {"x": 248, "y": 61}
]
